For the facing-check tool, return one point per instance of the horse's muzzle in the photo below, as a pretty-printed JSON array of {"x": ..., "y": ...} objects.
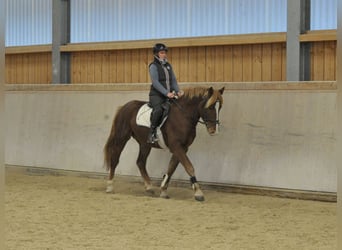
[{"x": 212, "y": 130}]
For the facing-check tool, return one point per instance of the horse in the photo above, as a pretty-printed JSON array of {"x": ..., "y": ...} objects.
[{"x": 196, "y": 105}]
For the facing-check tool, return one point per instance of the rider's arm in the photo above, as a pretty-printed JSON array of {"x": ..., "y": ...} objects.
[
  {"x": 155, "y": 80},
  {"x": 174, "y": 83}
]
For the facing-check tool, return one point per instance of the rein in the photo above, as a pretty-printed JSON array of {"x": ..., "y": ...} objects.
[{"x": 177, "y": 104}]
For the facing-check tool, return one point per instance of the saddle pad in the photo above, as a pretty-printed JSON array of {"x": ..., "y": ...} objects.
[
  {"x": 144, "y": 119},
  {"x": 144, "y": 116}
]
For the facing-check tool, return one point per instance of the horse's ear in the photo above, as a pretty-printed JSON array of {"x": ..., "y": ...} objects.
[
  {"x": 210, "y": 91},
  {"x": 221, "y": 90}
]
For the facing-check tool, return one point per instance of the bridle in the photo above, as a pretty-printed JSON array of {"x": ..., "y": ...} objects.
[{"x": 206, "y": 120}]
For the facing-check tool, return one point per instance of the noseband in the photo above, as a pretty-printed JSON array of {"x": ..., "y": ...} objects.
[{"x": 206, "y": 121}]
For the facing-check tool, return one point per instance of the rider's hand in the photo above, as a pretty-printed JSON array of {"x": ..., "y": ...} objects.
[
  {"x": 180, "y": 93},
  {"x": 170, "y": 95}
]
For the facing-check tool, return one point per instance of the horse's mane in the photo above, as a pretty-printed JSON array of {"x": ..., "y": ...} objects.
[{"x": 195, "y": 92}]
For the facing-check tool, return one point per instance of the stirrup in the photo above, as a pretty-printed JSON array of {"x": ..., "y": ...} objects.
[
  {"x": 152, "y": 139},
  {"x": 155, "y": 138}
]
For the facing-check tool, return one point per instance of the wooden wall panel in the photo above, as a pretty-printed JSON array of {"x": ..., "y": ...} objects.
[
  {"x": 183, "y": 65},
  {"x": 219, "y": 63},
  {"x": 112, "y": 66},
  {"x": 98, "y": 66},
  {"x": 210, "y": 64},
  {"x": 237, "y": 63},
  {"x": 120, "y": 66},
  {"x": 193, "y": 63},
  {"x": 135, "y": 66},
  {"x": 105, "y": 67},
  {"x": 247, "y": 63},
  {"x": 317, "y": 61},
  {"x": 28, "y": 68},
  {"x": 283, "y": 68},
  {"x": 276, "y": 62},
  {"x": 145, "y": 60},
  {"x": 329, "y": 61},
  {"x": 10, "y": 69},
  {"x": 175, "y": 57},
  {"x": 127, "y": 67},
  {"x": 266, "y": 61},
  {"x": 228, "y": 63},
  {"x": 90, "y": 73},
  {"x": 75, "y": 67},
  {"x": 323, "y": 61},
  {"x": 256, "y": 62}
]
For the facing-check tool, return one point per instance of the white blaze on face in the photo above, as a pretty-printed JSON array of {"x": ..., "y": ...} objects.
[{"x": 217, "y": 107}]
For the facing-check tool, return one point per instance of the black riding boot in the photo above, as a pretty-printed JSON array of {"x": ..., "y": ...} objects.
[{"x": 152, "y": 135}]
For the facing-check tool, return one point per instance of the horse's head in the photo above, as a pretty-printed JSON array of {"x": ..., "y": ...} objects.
[{"x": 210, "y": 108}]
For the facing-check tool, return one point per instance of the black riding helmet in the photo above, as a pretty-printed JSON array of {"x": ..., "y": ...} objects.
[{"x": 159, "y": 47}]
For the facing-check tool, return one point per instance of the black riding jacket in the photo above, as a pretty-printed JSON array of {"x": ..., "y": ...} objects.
[{"x": 159, "y": 86}]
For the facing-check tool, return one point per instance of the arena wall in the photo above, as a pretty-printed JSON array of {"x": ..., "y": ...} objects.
[
  {"x": 229, "y": 58},
  {"x": 273, "y": 134}
]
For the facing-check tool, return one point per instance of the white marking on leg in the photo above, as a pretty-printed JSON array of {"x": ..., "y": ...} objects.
[
  {"x": 164, "y": 182},
  {"x": 110, "y": 188},
  {"x": 198, "y": 192}
]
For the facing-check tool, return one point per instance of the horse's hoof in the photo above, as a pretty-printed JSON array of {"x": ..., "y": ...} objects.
[
  {"x": 149, "y": 191},
  {"x": 164, "y": 195},
  {"x": 109, "y": 190},
  {"x": 110, "y": 187},
  {"x": 199, "y": 198}
]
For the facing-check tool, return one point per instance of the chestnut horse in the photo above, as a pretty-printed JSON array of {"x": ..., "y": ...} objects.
[{"x": 179, "y": 131}]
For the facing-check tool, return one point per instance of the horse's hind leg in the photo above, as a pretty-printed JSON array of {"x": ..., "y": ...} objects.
[
  {"x": 144, "y": 151},
  {"x": 166, "y": 178},
  {"x": 113, "y": 150},
  {"x": 114, "y": 161}
]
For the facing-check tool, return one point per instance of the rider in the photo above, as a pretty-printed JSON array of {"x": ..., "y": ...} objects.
[{"x": 164, "y": 86}]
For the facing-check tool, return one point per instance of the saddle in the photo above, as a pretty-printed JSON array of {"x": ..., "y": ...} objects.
[
  {"x": 144, "y": 116},
  {"x": 144, "y": 119}
]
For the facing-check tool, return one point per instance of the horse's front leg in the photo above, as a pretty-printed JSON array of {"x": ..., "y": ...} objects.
[
  {"x": 166, "y": 178},
  {"x": 144, "y": 151},
  {"x": 110, "y": 187},
  {"x": 189, "y": 168}
]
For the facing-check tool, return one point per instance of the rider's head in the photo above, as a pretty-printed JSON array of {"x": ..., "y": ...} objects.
[{"x": 160, "y": 50}]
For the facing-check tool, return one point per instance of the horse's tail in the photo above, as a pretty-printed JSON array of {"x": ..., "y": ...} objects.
[{"x": 115, "y": 137}]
